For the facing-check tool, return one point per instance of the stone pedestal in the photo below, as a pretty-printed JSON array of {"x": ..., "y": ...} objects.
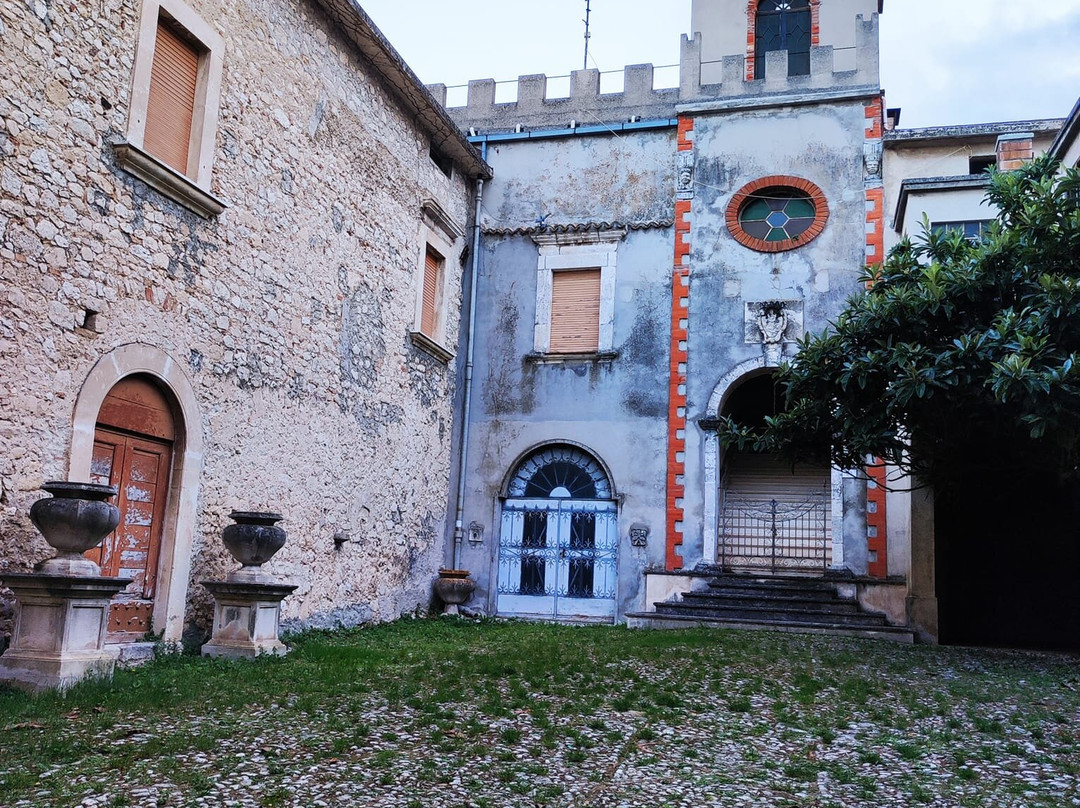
[
  {"x": 247, "y": 616},
  {"x": 60, "y": 623}
]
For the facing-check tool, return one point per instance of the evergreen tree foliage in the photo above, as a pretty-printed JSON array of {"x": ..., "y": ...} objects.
[{"x": 960, "y": 356}]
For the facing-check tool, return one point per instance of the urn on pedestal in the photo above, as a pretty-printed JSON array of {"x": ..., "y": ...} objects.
[
  {"x": 62, "y": 608},
  {"x": 453, "y": 588},
  {"x": 247, "y": 604}
]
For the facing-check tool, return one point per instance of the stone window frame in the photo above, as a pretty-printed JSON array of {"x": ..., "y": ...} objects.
[
  {"x": 594, "y": 249},
  {"x": 190, "y": 189},
  {"x": 441, "y": 235},
  {"x": 817, "y": 196}
]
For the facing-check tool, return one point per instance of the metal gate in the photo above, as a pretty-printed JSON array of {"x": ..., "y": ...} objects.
[
  {"x": 557, "y": 558},
  {"x": 774, "y": 534}
]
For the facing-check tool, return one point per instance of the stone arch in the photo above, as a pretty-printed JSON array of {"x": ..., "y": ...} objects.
[
  {"x": 174, "y": 565},
  {"x": 711, "y": 463},
  {"x": 711, "y": 449},
  {"x": 507, "y": 483}
]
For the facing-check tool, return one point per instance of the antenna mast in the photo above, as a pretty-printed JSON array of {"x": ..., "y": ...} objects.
[{"x": 588, "y": 36}]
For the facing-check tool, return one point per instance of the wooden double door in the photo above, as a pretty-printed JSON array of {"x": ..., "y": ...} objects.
[{"x": 133, "y": 450}]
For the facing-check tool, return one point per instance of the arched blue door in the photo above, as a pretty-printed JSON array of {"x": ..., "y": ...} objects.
[{"x": 558, "y": 540}]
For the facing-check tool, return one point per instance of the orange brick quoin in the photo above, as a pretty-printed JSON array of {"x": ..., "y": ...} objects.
[
  {"x": 817, "y": 196},
  {"x": 876, "y": 524},
  {"x": 877, "y": 539},
  {"x": 751, "y": 28},
  {"x": 680, "y": 314}
]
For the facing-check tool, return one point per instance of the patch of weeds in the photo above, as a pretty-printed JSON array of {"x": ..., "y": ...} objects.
[
  {"x": 275, "y": 797},
  {"x": 576, "y": 755},
  {"x": 383, "y": 758},
  {"x": 511, "y": 735},
  {"x": 740, "y": 704},
  {"x": 803, "y": 770},
  {"x": 987, "y": 726},
  {"x": 869, "y": 756},
  {"x": 908, "y": 751},
  {"x": 857, "y": 690}
]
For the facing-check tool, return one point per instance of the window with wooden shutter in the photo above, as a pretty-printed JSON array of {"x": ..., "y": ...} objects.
[
  {"x": 171, "y": 104},
  {"x": 429, "y": 311},
  {"x": 575, "y": 311}
]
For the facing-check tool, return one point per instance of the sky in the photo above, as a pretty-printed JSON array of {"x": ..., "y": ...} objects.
[{"x": 942, "y": 61}]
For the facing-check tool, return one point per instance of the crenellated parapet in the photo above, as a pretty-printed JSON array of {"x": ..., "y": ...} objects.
[{"x": 697, "y": 90}]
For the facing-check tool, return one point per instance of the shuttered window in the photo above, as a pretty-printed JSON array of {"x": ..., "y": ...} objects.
[
  {"x": 433, "y": 270},
  {"x": 575, "y": 311},
  {"x": 171, "y": 104}
]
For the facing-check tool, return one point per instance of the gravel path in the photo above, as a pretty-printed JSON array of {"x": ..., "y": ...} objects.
[{"x": 898, "y": 727}]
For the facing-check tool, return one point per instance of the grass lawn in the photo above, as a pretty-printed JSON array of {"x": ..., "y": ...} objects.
[{"x": 455, "y": 713}]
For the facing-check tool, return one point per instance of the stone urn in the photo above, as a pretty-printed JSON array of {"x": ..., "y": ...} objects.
[
  {"x": 75, "y": 519},
  {"x": 247, "y": 604},
  {"x": 453, "y": 587},
  {"x": 253, "y": 541}
]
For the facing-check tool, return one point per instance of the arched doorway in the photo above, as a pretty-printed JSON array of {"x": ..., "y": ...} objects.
[
  {"x": 558, "y": 539},
  {"x": 775, "y": 516},
  {"x": 133, "y": 449}
]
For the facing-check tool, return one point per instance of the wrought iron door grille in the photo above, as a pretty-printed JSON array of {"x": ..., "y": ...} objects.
[
  {"x": 774, "y": 534},
  {"x": 561, "y": 549}
]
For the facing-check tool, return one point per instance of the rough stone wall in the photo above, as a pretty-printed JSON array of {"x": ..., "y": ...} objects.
[{"x": 290, "y": 312}]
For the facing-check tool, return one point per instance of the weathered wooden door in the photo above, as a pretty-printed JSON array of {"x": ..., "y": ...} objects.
[{"x": 133, "y": 450}]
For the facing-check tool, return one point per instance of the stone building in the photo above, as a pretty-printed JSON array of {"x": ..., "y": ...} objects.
[
  {"x": 648, "y": 258},
  {"x": 231, "y": 247}
]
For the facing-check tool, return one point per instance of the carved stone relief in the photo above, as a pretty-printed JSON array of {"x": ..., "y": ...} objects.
[{"x": 773, "y": 324}]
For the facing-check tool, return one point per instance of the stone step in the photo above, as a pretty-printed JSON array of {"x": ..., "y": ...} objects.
[
  {"x": 787, "y": 583},
  {"x": 673, "y": 621},
  {"x": 816, "y": 603},
  {"x": 758, "y": 614}
]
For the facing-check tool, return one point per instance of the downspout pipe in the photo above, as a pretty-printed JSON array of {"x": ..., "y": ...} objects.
[{"x": 474, "y": 265}]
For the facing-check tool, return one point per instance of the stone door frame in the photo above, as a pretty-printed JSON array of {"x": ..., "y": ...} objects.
[{"x": 174, "y": 561}]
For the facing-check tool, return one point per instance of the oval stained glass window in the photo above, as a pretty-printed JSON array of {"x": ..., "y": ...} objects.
[{"x": 777, "y": 213}]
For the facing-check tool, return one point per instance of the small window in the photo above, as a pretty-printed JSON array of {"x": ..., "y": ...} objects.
[
  {"x": 432, "y": 293},
  {"x": 778, "y": 213},
  {"x": 575, "y": 295},
  {"x": 979, "y": 164},
  {"x": 437, "y": 257},
  {"x": 170, "y": 108},
  {"x": 783, "y": 25},
  {"x": 973, "y": 231},
  {"x": 575, "y": 311},
  {"x": 172, "y": 119}
]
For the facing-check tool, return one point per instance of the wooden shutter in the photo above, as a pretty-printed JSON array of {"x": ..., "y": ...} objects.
[
  {"x": 433, "y": 266},
  {"x": 575, "y": 311},
  {"x": 171, "y": 105},
  {"x": 768, "y": 476}
]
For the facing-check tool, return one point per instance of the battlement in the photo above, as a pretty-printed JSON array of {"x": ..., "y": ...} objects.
[{"x": 641, "y": 100}]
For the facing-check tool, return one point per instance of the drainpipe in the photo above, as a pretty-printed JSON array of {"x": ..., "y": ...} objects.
[{"x": 473, "y": 268}]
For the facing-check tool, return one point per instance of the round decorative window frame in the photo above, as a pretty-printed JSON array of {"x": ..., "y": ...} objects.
[{"x": 817, "y": 197}]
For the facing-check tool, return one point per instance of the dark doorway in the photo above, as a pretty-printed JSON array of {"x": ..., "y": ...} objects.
[{"x": 1008, "y": 561}]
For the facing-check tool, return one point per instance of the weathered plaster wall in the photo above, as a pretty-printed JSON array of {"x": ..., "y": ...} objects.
[
  {"x": 289, "y": 314},
  {"x": 615, "y": 409},
  {"x": 823, "y": 144}
]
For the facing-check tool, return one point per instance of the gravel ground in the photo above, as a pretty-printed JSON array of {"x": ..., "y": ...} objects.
[{"x": 869, "y": 724}]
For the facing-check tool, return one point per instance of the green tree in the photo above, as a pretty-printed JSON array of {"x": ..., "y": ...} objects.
[{"x": 961, "y": 355}]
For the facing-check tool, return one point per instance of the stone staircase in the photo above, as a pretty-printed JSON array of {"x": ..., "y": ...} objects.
[{"x": 796, "y": 604}]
